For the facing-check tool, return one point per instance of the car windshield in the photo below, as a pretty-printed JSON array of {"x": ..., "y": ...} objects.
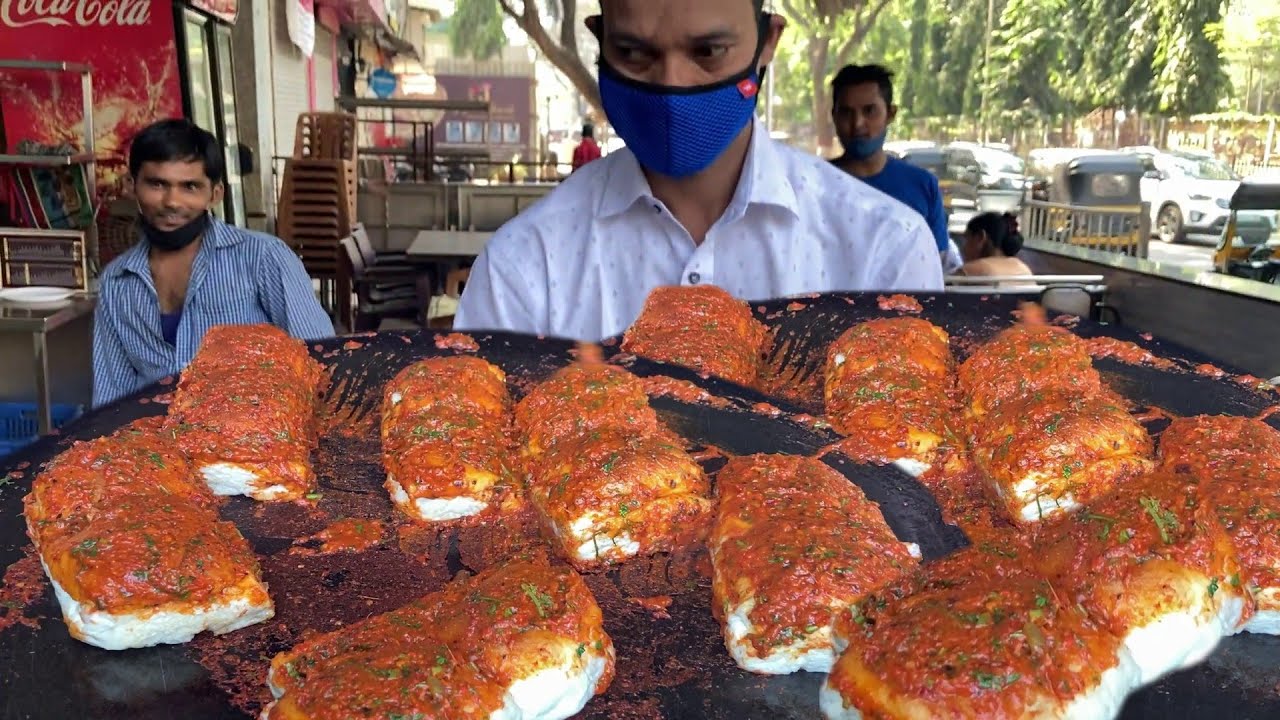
[
  {"x": 1203, "y": 168},
  {"x": 999, "y": 162}
]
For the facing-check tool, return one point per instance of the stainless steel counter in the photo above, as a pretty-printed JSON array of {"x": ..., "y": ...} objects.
[
  {"x": 1232, "y": 319},
  {"x": 74, "y": 358}
]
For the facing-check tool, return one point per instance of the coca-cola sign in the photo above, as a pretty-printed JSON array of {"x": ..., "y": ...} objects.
[
  {"x": 82, "y": 13},
  {"x": 129, "y": 45}
]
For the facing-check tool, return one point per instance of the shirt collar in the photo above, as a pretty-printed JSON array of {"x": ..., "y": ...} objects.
[
  {"x": 136, "y": 259},
  {"x": 764, "y": 180}
]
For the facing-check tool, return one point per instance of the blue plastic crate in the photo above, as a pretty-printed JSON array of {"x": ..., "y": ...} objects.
[{"x": 20, "y": 426}]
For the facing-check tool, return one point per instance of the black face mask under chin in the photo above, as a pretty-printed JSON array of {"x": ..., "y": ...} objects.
[{"x": 171, "y": 240}]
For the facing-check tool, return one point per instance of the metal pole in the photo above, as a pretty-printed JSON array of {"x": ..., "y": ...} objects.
[
  {"x": 986, "y": 73},
  {"x": 1271, "y": 141}
]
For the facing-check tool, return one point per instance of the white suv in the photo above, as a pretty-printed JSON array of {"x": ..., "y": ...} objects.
[{"x": 1190, "y": 194}]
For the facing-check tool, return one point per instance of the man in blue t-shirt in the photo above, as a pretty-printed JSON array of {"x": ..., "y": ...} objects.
[{"x": 862, "y": 108}]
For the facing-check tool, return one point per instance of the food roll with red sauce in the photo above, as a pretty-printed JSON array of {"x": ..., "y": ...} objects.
[
  {"x": 580, "y": 399},
  {"x": 888, "y": 385},
  {"x": 1153, "y": 564},
  {"x": 1024, "y": 360},
  {"x": 606, "y": 478},
  {"x": 607, "y": 497},
  {"x": 245, "y": 412},
  {"x": 523, "y": 639},
  {"x": 1046, "y": 433},
  {"x": 979, "y": 635},
  {"x": 1237, "y": 462},
  {"x": 1049, "y": 455},
  {"x": 446, "y": 439},
  {"x": 701, "y": 327},
  {"x": 794, "y": 543},
  {"x": 131, "y": 540}
]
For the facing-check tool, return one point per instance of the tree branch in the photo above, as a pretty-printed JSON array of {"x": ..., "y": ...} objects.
[
  {"x": 569, "y": 25},
  {"x": 798, "y": 17},
  {"x": 862, "y": 26},
  {"x": 565, "y": 58}
]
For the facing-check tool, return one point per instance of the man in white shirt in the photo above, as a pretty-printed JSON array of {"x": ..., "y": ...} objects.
[{"x": 701, "y": 194}]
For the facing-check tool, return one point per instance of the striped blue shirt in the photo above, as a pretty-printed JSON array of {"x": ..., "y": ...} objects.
[{"x": 239, "y": 277}]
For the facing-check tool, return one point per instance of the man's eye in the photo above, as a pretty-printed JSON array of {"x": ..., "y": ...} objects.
[
  {"x": 630, "y": 55},
  {"x": 710, "y": 52}
]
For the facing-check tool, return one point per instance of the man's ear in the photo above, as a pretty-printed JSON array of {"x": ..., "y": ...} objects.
[
  {"x": 777, "y": 24},
  {"x": 130, "y": 189},
  {"x": 218, "y": 191},
  {"x": 893, "y": 113}
]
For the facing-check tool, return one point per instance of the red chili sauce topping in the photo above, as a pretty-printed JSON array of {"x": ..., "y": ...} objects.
[
  {"x": 899, "y": 303},
  {"x": 801, "y": 541},
  {"x": 980, "y": 636},
  {"x": 1127, "y": 352},
  {"x": 424, "y": 660},
  {"x": 457, "y": 341},
  {"x": 699, "y": 327}
]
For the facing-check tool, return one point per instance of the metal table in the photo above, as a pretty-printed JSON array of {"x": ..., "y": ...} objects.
[
  {"x": 448, "y": 244},
  {"x": 39, "y": 321}
]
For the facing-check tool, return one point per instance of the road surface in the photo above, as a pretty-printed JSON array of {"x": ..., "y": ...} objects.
[{"x": 1199, "y": 257}]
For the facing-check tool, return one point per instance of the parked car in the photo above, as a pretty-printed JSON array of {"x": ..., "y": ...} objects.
[
  {"x": 1001, "y": 169},
  {"x": 1190, "y": 197}
]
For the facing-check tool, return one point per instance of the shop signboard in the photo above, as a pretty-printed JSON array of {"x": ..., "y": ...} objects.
[{"x": 506, "y": 132}]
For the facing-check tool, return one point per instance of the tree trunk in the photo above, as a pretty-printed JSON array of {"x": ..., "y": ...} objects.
[
  {"x": 819, "y": 52},
  {"x": 564, "y": 56}
]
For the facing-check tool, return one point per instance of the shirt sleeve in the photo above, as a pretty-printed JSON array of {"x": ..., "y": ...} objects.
[
  {"x": 937, "y": 216},
  {"x": 952, "y": 260},
  {"x": 113, "y": 375},
  {"x": 506, "y": 290},
  {"x": 910, "y": 258},
  {"x": 285, "y": 291}
]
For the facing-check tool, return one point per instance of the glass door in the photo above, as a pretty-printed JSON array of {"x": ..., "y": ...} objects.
[
  {"x": 199, "y": 66},
  {"x": 224, "y": 81}
]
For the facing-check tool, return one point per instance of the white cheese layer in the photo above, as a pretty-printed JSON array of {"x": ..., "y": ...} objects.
[
  {"x": 122, "y": 631},
  {"x": 434, "y": 509},
  {"x": 813, "y": 652},
  {"x": 226, "y": 478}
]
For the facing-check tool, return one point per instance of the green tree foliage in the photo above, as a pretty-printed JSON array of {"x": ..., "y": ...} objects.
[
  {"x": 830, "y": 31},
  {"x": 475, "y": 30}
]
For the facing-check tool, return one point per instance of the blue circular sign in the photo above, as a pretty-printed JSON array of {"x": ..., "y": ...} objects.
[{"x": 383, "y": 82}]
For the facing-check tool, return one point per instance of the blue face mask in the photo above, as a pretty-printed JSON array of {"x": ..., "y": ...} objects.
[
  {"x": 680, "y": 131},
  {"x": 863, "y": 148}
]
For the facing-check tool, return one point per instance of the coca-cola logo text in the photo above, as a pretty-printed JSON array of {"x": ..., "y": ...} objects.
[{"x": 85, "y": 13}]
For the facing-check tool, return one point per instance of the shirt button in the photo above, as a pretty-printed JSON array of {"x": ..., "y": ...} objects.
[{"x": 694, "y": 278}]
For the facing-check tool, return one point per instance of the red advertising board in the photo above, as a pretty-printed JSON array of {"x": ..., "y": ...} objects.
[{"x": 129, "y": 44}]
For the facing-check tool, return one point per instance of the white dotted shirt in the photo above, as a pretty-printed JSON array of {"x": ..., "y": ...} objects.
[{"x": 580, "y": 262}]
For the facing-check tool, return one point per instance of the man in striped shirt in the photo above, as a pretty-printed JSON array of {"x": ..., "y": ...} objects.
[{"x": 189, "y": 271}]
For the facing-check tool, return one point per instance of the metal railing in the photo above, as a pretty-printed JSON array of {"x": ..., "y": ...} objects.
[{"x": 1123, "y": 230}]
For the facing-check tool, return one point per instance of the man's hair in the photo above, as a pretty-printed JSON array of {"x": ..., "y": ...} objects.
[
  {"x": 757, "y": 4},
  {"x": 588, "y": 130},
  {"x": 853, "y": 75},
  {"x": 177, "y": 141}
]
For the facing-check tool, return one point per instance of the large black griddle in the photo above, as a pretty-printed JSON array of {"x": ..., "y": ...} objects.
[{"x": 674, "y": 668}]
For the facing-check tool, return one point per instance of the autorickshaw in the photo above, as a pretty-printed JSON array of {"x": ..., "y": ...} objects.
[
  {"x": 1246, "y": 248},
  {"x": 1095, "y": 200}
]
